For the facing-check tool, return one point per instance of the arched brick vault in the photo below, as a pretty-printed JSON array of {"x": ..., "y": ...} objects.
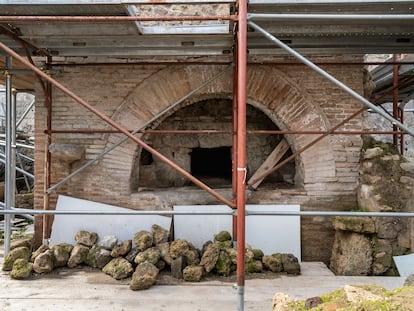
[{"x": 268, "y": 89}]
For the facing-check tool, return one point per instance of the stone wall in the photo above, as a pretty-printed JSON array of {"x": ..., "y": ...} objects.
[
  {"x": 293, "y": 97},
  {"x": 366, "y": 245}
]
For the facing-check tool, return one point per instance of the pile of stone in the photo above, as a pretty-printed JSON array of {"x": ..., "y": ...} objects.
[{"x": 152, "y": 253}]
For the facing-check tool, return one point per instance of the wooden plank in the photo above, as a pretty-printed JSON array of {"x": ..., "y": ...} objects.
[{"x": 270, "y": 162}]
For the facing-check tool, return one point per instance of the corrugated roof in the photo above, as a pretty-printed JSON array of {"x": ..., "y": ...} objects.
[{"x": 383, "y": 77}]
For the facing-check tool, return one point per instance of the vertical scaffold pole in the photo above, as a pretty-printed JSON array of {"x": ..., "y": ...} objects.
[
  {"x": 47, "y": 219},
  {"x": 10, "y": 152},
  {"x": 241, "y": 148},
  {"x": 395, "y": 109},
  {"x": 234, "y": 143}
]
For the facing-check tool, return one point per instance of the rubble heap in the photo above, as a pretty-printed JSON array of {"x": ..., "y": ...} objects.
[{"x": 144, "y": 256}]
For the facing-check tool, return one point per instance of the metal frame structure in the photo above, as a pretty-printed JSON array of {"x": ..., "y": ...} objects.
[
  {"x": 243, "y": 24},
  {"x": 10, "y": 155}
]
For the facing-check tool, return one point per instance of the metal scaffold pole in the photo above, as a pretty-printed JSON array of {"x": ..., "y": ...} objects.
[
  {"x": 10, "y": 153},
  {"x": 241, "y": 149}
]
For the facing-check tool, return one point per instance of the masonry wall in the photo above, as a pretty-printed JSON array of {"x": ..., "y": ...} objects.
[{"x": 292, "y": 96}]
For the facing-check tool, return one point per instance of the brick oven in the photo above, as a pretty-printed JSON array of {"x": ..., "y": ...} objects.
[{"x": 280, "y": 96}]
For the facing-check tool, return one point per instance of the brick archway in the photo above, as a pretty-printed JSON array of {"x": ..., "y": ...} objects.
[{"x": 268, "y": 89}]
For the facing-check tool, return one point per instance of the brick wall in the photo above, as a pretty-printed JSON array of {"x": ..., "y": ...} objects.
[{"x": 292, "y": 96}]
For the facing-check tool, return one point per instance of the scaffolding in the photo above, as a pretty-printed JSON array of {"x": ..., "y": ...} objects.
[{"x": 245, "y": 33}]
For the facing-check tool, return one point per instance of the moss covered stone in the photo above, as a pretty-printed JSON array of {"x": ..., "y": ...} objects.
[
  {"x": 223, "y": 265},
  {"x": 179, "y": 247},
  {"x": 22, "y": 269},
  {"x": 273, "y": 262},
  {"x": 17, "y": 253},
  {"x": 143, "y": 240},
  {"x": 151, "y": 255},
  {"x": 222, "y": 236},
  {"x": 258, "y": 254},
  {"x": 224, "y": 244},
  {"x": 210, "y": 257},
  {"x": 290, "y": 264},
  {"x": 255, "y": 266},
  {"x": 193, "y": 273},
  {"x": 144, "y": 277},
  {"x": 119, "y": 268},
  {"x": 61, "y": 253},
  {"x": 355, "y": 224}
]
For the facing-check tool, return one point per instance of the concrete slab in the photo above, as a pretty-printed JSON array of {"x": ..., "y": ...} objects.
[{"x": 92, "y": 290}]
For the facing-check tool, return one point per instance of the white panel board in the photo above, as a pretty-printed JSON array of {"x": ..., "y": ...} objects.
[
  {"x": 124, "y": 227},
  {"x": 272, "y": 234},
  {"x": 199, "y": 229},
  {"x": 405, "y": 264}
]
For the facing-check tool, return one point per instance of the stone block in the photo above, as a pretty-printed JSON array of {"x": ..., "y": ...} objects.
[
  {"x": 408, "y": 167},
  {"x": 61, "y": 253},
  {"x": 16, "y": 253},
  {"x": 22, "y": 269},
  {"x": 122, "y": 249},
  {"x": 43, "y": 263},
  {"x": 354, "y": 224},
  {"x": 160, "y": 235},
  {"x": 179, "y": 247},
  {"x": 290, "y": 264},
  {"x": 108, "y": 242},
  {"x": 67, "y": 152},
  {"x": 224, "y": 264},
  {"x": 373, "y": 153},
  {"x": 86, "y": 238},
  {"x": 143, "y": 240},
  {"x": 273, "y": 263},
  {"x": 210, "y": 257},
  {"x": 177, "y": 267},
  {"x": 388, "y": 228},
  {"x": 78, "y": 255},
  {"x": 119, "y": 268},
  {"x": 193, "y": 273},
  {"x": 351, "y": 254},
  {"x": 144, "y": 277},
  {"x": 407, "y": 180},
  {"x": 151, "y": 255}
]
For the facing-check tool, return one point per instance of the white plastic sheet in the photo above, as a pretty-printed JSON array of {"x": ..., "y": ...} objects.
[
  {"x": 124, "y": 227},
  {"x": 405, "y": 264},
  {"x": 270, "y": 233}
]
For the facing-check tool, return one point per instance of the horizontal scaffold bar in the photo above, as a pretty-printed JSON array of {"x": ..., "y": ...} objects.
[
  {"x": 103, "y": 19},
  {"x": 331, "y": 17},
  {"x": 229, "y": 213}
]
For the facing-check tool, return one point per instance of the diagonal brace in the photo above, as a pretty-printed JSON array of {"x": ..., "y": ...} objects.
[
  {"x": 121, "y": 141},
  {"x": 331, "y": 78}
]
